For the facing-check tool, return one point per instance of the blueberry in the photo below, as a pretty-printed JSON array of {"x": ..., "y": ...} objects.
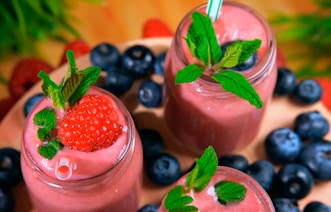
[
  {"x": 105, "y": 55},
  {"x": 163, "y": 169},
  {"x": 316, "y": 206},
  {"x": 307, "y": 91},
  {"x": 239, "y": 162},
  {"x": 151, "y": 140},
  {"x": 286, "y": 82},
  {"x": 294, "y": 181},
  {"x": 119, "y": 80},
  {"x": 283, "y": 145},
  {"x": 7, "y": 201},
  {"x": 138, "y": 60},
  {"x": 247, "y": 64},
  {"x": 31, "y": 102},
  {"x": 159, "y": 64},
  {"x": 10, "y": 167},
  {"x": 311, "y": 125},
  {"x": 263, "y": 172},
  {"x": 150, "y": 94},
  {"x": 317, "y": 157},
  {"x": 149, "y": 208},
  {"x": 285, "y": 205}
]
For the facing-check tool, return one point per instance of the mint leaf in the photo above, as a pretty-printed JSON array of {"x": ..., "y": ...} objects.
[
  {"x": 231, "y": 56},
  {"x": 45, "y": 118},
  {"x": 248, "y": 48},
  {"x": 202, "y": 41},
  {"x": 177, "y": 201},
  {"x": 203, "y": 171},
  {"x": 43, "y": 134},
  {"x": 56, "y": 144},
  {"x": 70, "y": 85},
  {"x": 237, "y": 84},
  {"x": 228, "y": 191},
  {"x": 189, "y": 74},
  {"x": 47, "y": 151}
]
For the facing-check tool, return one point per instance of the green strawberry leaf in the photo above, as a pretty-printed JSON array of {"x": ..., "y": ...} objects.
[
  {"x": 237, "y": 84},
  {"x": 228, "y": 191},
  {"x": 203, "y": 171},
  {"x": 189, "y": 74},
  {"x": 177, "y": 201}
]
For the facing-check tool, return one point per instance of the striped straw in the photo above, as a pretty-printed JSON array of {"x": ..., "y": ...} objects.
[{"x": 213, "y": 8}]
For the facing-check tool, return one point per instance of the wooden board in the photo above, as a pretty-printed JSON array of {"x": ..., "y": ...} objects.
[{"x": 280, "y": 113}]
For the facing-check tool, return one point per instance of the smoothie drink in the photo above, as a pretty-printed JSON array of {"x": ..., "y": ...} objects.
[
  {"x": 256, "y": 198},
  {"x": 201, "y": 113},
  {"x": 104, "y": 180}
]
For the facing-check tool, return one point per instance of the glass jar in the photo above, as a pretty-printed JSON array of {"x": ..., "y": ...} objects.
[
  {"x": 201, "y": 113},
  {"x": 109, "y": 179},
  {"x": 256, "y": 198}
]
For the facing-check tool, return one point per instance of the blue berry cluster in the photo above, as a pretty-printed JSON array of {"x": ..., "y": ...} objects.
[{"x": 305, "y": 92}]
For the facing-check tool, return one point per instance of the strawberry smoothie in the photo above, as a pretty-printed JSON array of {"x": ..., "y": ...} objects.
[
  {"x": 256, "y": 198},
  {"x": 104, "y": 180},
  {"x": 201, "y": 113}
]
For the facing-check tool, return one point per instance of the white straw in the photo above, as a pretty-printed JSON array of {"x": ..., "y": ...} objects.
[{"x": 213, "y": 8}]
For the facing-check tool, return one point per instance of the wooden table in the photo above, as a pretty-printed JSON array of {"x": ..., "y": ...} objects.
[{"x": 119, "y": 21}]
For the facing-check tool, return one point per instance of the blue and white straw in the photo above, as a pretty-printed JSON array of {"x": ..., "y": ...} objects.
[{"x": 213, "y": 8}]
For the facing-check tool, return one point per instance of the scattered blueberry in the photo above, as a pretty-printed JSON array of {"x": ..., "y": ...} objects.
[
  {"x": 31, "y": 102},
  {"x": 119, "y": 80},
  {"x": 283, "y": 145},
  {"x": 105, "y": 55},
  {"x": 285, "y": 205},
  {"x": 159, "y": 64},
  {"x": 294, "y": 181},
  {"x": 317, "y": 206},
  {"x": 263, "y": 172},
  {"x": 307, "y": 91},
  {"x": 149, "y": 208},
  {"x": 311, "y": 125},
  {"x": 7, "y": 201},
  {"x": 151, "y": 140},
  {"x": 249, "y": 63},
  {"x": 138, "y": 60},
  {"x": 163, "y": 169},
  {"x": 317, "y": 157},
  {"x": 234, "y": 161},
  {"x": 150, "y": 94},
  {"x": 286, "y": 82},
  {"x": 10, "y": 167}
]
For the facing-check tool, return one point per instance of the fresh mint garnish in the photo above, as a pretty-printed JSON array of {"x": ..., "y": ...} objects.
[
  {"x": 47, "y": 151},
  {"x": 178, "y": 198},
  {"x": 203, "y": 44},
  {"x": 228, "y": 191},
  {"x": 45, "y": 118}
]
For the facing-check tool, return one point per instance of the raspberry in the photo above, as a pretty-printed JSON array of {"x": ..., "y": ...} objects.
[
  {"x": 156, "y": 28},
  {"x": 90, "y": 125},
  {"x": 325, "y": 83},
  {"x": 80, "y": 48}
]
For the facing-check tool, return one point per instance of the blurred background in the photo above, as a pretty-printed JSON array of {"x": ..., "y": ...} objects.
[{"x": 44, "y": 28}]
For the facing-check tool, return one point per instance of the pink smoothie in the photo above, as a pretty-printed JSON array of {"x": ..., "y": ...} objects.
[
  {"x": 256, "y": 199},
  {"x": 201, "y": 113},
  {"x": 103, "y": 180}
]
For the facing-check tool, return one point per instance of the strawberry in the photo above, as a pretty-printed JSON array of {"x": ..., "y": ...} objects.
[
  {"x": 326, "y": 94},
  {"x": 280, "y": 59},
  {"x": 90, "y": 125},
  {"x": 24, "y": 75},
  {"x": 5, "y": 106},
  {"x": 156, "y": 28},
  {"x": 80, "y": 48}
]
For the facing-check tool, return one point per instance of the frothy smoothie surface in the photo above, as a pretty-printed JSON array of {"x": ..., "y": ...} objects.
[{"x": 70, "y": 164}]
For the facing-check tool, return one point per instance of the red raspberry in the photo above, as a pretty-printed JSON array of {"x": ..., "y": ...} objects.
[
  {"x": 156, "y": 28},
  {"x": 79, "y": 47},
  {"x": 90, "y": 125},
  {"x": 25, "y": 75},
  {"x": 325, "y": 83},
  {"x": 5, "y": 106}
]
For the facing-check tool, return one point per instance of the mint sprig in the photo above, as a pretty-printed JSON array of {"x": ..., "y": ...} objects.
[
  {"x": 178, "y": 198},
  {"x": 203, "y": 44}
]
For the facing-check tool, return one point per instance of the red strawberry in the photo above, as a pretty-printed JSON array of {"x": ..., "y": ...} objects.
[
  {"x": 24, "y": 75},
  {"x": 90, "y": 125},
  {"x": 326, "y": 95},
  {"x": 156, "y": 28},
  {"x": 80, "y": 48},
  {"x": 5, "y": 106}
]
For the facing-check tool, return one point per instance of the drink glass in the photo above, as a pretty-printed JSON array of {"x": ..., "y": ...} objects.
[
  {"x": 201, "y": 113},
  {"x": 109, "y": 179}
]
